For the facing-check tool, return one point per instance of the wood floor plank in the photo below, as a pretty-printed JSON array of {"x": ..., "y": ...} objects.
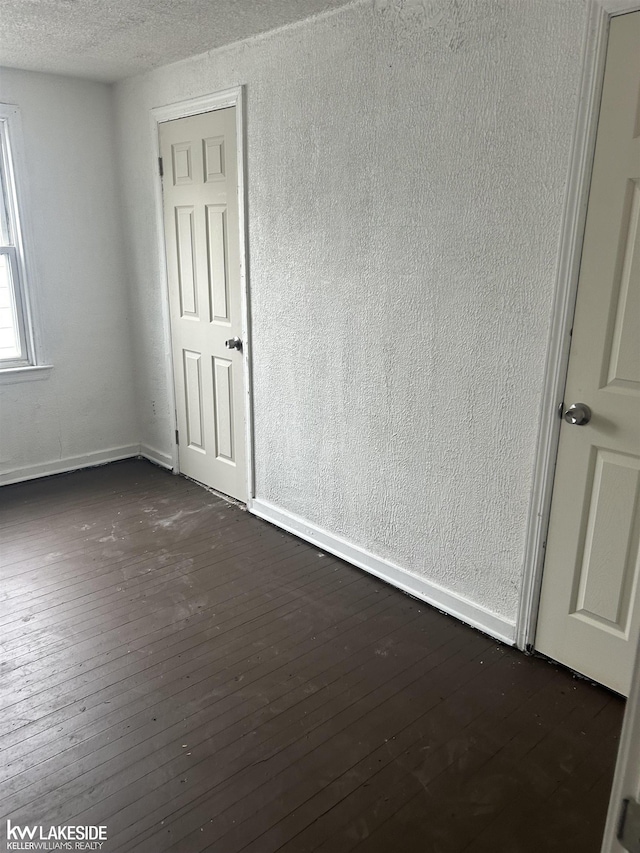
[
  {"x": 234, "y": 560},
  {"x": 303, "y": 780},
  {"x": 258, "y": 669},
  {"x": 251, "y": 771},
  {"x": 174, "y": 638},
  {"x": 199, "y": 680},
  {"x": 95, "y": 603},
  {"x": 95, "y": 516},
  {"x": 88, "y": 623},
  {"x": 296, "y": 695},
  {"x": 146, "y": 580},
  {"x": 399, "y": 769},
  {"x": 174, "y": 667},
  {"x": 46, "y": 715},
  {"x": 25, "y": 502},
  {"x": 41, "y": 558},
  {"x": 83, "y": 577}
]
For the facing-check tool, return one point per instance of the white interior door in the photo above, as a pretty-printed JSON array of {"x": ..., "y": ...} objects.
[
  {"x": 589, "y": 614},
  {"x": 202, "y": 231}
]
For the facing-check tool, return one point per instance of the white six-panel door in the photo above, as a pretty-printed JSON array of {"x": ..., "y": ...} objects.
[
  {"x": 589, "y": 614},
  {"x": 200, "y": 195}
]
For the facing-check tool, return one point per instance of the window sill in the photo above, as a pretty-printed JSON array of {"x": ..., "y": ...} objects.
[{"x": 11, "y": 375}]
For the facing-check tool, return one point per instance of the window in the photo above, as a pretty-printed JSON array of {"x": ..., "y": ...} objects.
[{"x": 16, "y": 345}]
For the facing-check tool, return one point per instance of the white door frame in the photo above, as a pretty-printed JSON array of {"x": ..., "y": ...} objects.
[
  {"x": 182, "y": 109},
  {"x": 599, "y": 17}
]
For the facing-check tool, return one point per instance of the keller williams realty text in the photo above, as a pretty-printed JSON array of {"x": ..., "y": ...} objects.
[{"x": 55, "y": 837}]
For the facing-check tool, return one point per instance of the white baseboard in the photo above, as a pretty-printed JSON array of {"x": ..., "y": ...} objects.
[
  {"x": 164, "y": 460},
  {"x": 449, "y": 602},
  {"x": 70, "y": 463},
  {"x": 88, "y": 460}
]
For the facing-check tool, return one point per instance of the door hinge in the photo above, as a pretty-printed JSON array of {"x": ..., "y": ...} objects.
[
  {"x": 177, "y": 437},
  {"x": 160, "y": 167},
  {"x": 629, "y": 826}
]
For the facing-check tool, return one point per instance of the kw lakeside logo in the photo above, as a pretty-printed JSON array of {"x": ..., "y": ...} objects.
[{"x": 55, "y": 837}]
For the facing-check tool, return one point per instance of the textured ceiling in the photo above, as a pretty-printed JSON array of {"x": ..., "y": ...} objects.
[{"x": 111, "y": 39}]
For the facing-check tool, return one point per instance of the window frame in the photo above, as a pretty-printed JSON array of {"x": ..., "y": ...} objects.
[{"x": 12, "y": 187}]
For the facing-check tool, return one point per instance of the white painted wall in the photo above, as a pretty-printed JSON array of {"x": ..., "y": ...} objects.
[
  {"x": 84, "y": 411},
  {"x": 407, "y": 164}
]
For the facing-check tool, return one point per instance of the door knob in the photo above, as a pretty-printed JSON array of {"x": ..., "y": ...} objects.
[
  {"x": 234, "y": 343},
  {"x": 578, "y": 414}
]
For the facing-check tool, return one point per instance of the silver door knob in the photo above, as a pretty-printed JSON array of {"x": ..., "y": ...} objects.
[
  {"x": 234, "y": 343},
  {"x": 578, "y": 414}
]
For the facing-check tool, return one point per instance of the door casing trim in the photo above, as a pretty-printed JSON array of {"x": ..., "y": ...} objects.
[
  {"x": 599, "y": 17},
  {"x": 183, "y": 109}
]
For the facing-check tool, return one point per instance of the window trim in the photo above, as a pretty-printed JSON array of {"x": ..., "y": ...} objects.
[{"x": 21, "y": 268}]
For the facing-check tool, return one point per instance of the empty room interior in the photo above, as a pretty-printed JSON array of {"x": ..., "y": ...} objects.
[{"x": 319, "y": 426}]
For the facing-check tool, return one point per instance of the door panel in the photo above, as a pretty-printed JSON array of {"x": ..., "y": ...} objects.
[
  {"x": 193, "y": 398},
  {"x": 217, "y": 258},
  {"x": 605, "y": 573},
  {"x": 200, "y": 190},
  {"x": 624, "y": 357},
  {"x": 589, "y": 614},
  {"x": 185, "y": 245},
  {"x": 223, "y": 405}
]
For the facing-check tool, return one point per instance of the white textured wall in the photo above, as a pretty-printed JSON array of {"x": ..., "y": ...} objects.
[
  {"x": 86, "y": 406},
  {"x": 407, "y": 164}
]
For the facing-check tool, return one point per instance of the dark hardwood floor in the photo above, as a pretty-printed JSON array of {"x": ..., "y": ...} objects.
[{"x": 195, "y": 679}]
